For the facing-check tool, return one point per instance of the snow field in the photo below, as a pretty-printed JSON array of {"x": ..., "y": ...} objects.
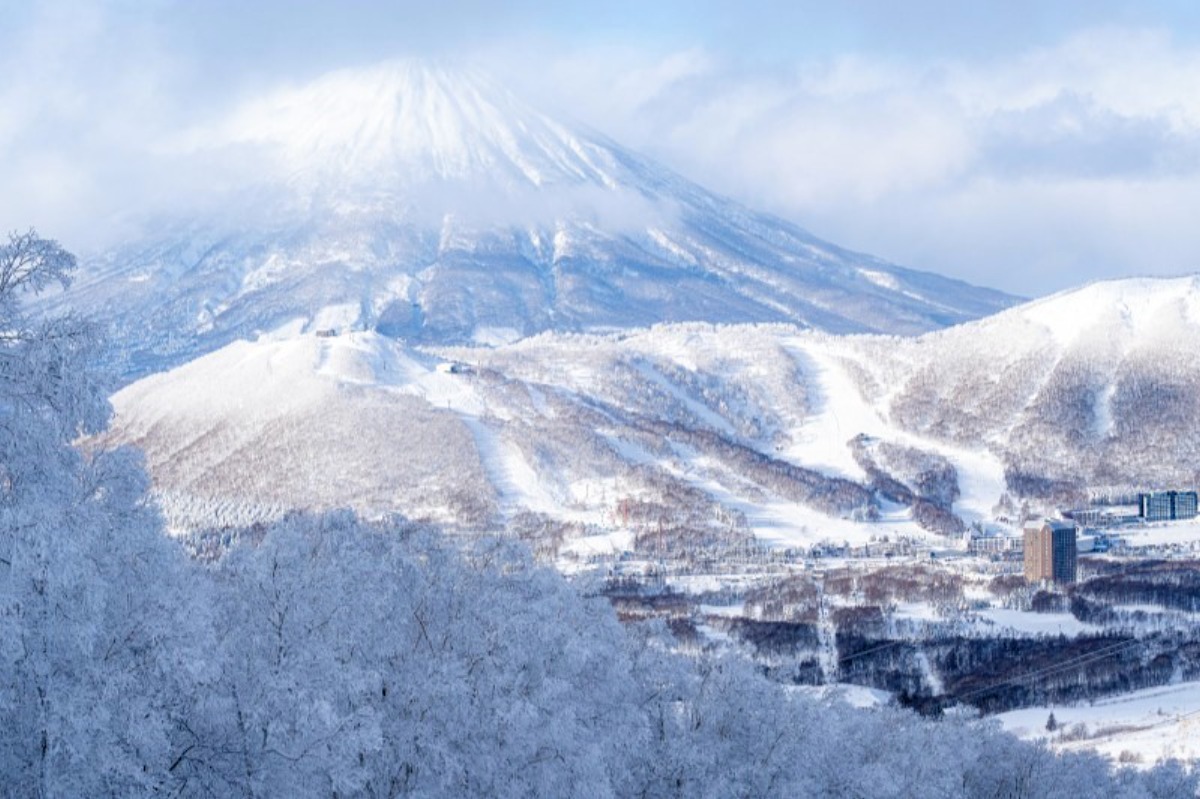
[{"x": 1141, "y": 728}]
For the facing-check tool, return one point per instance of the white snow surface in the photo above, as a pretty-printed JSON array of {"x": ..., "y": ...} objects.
[
  {"x": 842, "y": 412},
  {"x": 1149, "y": 725},
  {"x": 1036, "y": 623},
  {"x": 1143, "y": 307}
]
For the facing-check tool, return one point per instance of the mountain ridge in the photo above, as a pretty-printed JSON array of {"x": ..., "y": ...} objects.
[
  {"x": 1092, "y": 387},
  {"x": 808, "y": 436}
]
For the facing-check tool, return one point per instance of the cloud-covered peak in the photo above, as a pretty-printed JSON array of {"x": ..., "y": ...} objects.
[{"x": 408, "y": 122}]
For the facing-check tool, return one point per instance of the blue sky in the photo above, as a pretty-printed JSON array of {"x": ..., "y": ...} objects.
[{"x": 1030, "y": 146}]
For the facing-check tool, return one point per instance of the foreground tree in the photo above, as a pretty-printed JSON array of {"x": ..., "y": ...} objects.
[{"x": 86, "y": 596}]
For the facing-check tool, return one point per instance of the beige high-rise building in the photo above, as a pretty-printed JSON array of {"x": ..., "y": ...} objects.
[{"x": 1050, "y": 552}]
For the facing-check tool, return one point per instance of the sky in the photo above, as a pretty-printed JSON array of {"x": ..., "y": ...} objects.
[{"x": 1028, "y": 146}]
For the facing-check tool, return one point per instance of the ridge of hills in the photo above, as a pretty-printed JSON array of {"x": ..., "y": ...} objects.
[{"x": 790, "y": 436}]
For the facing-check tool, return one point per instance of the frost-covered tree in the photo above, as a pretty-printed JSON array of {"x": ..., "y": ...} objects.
[
  {"x": 373, "y": 660},
  {"x": 84, "y": 575}
]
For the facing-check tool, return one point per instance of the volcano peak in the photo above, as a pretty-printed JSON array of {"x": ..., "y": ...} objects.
[{"x": 410, "y": 122}]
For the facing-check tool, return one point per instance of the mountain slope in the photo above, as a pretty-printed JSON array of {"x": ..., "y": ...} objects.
[
  {"x": 1095, "y": 387},
  {"x": 696, "y": 431},
  {"x": 686, "y": 436},
  {"x": 431, "y": 205}
]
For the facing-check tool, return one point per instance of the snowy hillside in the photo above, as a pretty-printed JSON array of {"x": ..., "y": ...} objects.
[
  {"x": 431, "y": 205},
  {"x": 1089, "y": 389},
  {"x": 1141, "y": 727},
  {"x": 791, "y": 436},
  {"x": 305, "y": 423},
  {"x": 687, "y": 436}
]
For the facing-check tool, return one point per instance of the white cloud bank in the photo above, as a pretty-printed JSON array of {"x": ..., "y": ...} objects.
[{"x": 1031, "y": 173}]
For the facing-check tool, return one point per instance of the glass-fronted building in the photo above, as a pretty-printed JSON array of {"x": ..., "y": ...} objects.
[{"x": 1161, "y": 506}]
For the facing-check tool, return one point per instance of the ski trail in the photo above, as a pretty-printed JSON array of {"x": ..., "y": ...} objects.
[{"x": 515, "y": 481}]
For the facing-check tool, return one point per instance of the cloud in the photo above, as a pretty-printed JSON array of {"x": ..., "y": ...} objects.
[
  {"x": 964, "y": 144},
  {"x": 1031, "y": 171},
  {"x": 1073, "y": 136},
  {"x": 90, "y": 87}
]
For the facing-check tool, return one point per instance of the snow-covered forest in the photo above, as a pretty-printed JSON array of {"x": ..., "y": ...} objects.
[{"x": 327, "y": 656}]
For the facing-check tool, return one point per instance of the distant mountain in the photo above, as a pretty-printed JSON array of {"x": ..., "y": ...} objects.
[
  {"x": 696, "y": 431},
  {"x": 431, "y": 205}
]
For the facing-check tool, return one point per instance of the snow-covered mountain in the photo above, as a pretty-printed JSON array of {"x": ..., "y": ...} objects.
[
  {"x": 689, "y": 430},
  {"x": 431, "y": 205},
  {"x": 406, "y": 210},
  {"x": 793, "y": 436},
  {"x": 1095, "y": 387}
]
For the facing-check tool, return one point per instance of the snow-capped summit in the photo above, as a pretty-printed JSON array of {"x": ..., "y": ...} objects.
[
  {"x": 1133, "y": 308},
  {"x": 406, "y": 122},
  {"x": 429, "y": 204}
]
